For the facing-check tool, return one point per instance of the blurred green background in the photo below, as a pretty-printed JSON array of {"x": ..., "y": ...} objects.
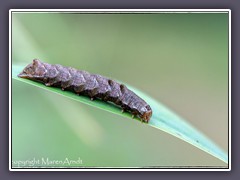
[{"x": 180, "y": 59}]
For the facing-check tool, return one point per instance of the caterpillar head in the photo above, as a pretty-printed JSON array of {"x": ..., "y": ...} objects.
[
  {"x": 35, "y": 70},
  {"x": 146, "y": 113}
]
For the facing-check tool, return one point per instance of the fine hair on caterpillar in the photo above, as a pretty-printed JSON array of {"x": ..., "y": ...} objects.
[{"x": 92, "y": 85}]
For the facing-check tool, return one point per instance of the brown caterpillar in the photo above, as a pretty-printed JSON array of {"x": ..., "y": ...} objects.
[{"x": 92, "y": 85}]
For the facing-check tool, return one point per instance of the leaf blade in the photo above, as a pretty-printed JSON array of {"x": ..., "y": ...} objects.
[{"x": 162, "y": 118}]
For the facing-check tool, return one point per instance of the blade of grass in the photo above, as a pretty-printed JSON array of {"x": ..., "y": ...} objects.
[{"x": 162, "y": 118}]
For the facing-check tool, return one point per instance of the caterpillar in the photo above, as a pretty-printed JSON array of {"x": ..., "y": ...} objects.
[{"x": 92, "y": 85}]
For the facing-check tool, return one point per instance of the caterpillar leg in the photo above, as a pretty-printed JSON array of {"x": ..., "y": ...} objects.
[
  {"x": 48, "y": 84},
  {"x": 105, "y": 98},
  {"x": 134, "y": 114},
  {"x": 124, "y": 108}
]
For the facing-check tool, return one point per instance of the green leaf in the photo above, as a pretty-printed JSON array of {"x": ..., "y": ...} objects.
[{"x": 162, "y": 117}]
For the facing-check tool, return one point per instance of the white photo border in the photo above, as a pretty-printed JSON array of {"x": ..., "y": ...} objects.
[{"x": 147, "y": 11}]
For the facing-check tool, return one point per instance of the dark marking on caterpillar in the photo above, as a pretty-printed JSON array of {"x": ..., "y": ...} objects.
[{"x": 92, "y": 85}]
